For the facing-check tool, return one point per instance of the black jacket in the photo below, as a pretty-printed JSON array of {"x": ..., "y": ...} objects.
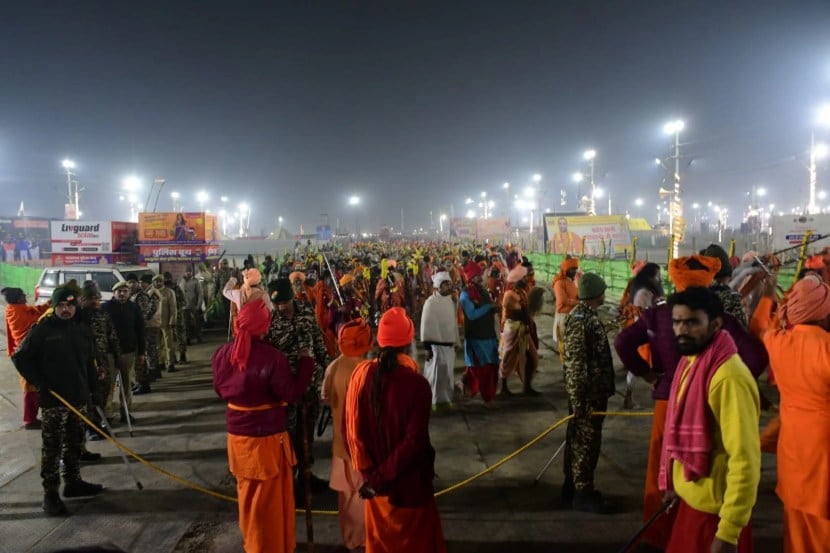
[
  {"x": 58, "y": 355},
  {"x": 129, "y": 324}
]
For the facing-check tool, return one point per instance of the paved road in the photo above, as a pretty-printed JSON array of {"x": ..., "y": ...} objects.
[{"x": 180, "y": 427}]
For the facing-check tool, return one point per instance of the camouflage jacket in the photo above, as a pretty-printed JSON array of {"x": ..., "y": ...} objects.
[
  {"x": 291, "y": 335},
  {"x": 589, "y": 369},
  {"x": 148, "y": 303},
  {"x": 732, "y": 302},
  {"x": 104, "y": 335}
]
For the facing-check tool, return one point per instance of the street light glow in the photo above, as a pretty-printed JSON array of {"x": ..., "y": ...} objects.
[
  {"x": 589, "y": 155},
  {"x": 223, "y": 199},
  {"x": 132, "y": 182},
  {"x": 68, "y": 164},
  {"x": 175, "y": 195},
  {"x": 822, "y": 194},
  {"x": 599, "y": 193},
  {"x": 673, "y": 127},
  {"x": 638, "y": 202},
  {"x": 823, "y": 117},
  {"x": 354, "y": 200},
  {"x": 578, "y": 177},
  {"x": 761, "y": 192},
  {"x": 695, "y": 205},
  {"x": 530, "y": 192},
  {"x": 244, "y": 208},
  {"x": 537, "y": 178},
  {"x": 201, "y": 196},
  {"x": 506, "y": 186},
  {"x": 820, "y": 150}
]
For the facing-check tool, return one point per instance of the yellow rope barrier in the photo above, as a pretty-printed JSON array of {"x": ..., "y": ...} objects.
[{"x": 445, "y": 491}]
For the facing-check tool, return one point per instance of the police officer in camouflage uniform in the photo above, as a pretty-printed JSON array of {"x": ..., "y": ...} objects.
[
  {"x": 107, "y": 351},
  {"x": 589, "y": 381},
  {"x": 180, "y": 330},
  {"x": 58, "y": 355},
  {"x": 293, "y": 328},
  {"x": 149, "y": 301}
]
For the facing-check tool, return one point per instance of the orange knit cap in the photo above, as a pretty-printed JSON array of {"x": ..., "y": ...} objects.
[
  {"x": 296, "y": 275},
  {"x": 695, "y": 270},
  {"x": 395, "y": 329},
  {"x": 355, "y": 338}
]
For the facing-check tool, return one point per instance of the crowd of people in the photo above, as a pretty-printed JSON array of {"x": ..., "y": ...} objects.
[{"x": 339, "y": 327}]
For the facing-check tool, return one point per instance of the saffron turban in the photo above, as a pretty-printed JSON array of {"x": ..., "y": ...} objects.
[
  {"x": 815, "y": 263},
  {"x": 395, "y": 329},
  {"x": 296, "y": 275},
  {"x": 472, "y": 270},
  {"x": 517, "y": 273},
  {"x": 695, "y": 270},
  {"x": 569, "y": 263},
  {"x": 439, "y": 277},
  {"x": 346, "y": 279},
  {"x": 251, "y": 322},
  {"x": 808, "y": 301},
  {"x": 355, "y": 338},
  {"x": 252, "y": 277}
]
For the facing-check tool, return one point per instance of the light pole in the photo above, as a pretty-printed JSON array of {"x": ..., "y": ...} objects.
[
  {"x": 176, "y": 205},
  {"x": 68, "y": 165},
  {"x": 537, "y": 178},
  {"x": 817, "y": 151},
  {"x": 441, "y": 219},
  {"x": 589, "y": 156},
  {"x": 354, "y": 201},
  {"x": 132, "y": 184},
  {"x": 676, "y": 208},
  {"x": 244, "y": 219}
]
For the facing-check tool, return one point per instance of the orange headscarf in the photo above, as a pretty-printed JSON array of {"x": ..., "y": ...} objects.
[
  {"x": 637, "y": 266},
  {"x": 695, "y": 270},
  {"x": 355, "y": 338},
  {"x": 814, "y": 263},
  {"x": 808, "y": 301},
  {"x": 251, "y": 322},
  {"x": 567, "y": 264}
]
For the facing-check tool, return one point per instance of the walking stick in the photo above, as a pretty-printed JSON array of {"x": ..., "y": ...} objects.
[
  {"x": 663, "y": 510},
  {"x": 109, "y": 429},
  {"x": 309, "y": 523},
  {"x": 124, "y": 405},
  {"x": 547, "y": 465}
]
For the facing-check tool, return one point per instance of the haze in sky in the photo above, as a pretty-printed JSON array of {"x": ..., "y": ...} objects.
[{"x": 293, "y": 107}]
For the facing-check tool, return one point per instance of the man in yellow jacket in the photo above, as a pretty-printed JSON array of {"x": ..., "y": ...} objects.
[{"x": 711, "y": 456}]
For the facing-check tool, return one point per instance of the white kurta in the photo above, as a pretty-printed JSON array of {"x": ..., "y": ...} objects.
[{"x": 440, "y": 324}]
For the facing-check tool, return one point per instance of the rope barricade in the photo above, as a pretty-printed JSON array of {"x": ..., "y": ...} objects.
[{"x": 445, "y": 491}]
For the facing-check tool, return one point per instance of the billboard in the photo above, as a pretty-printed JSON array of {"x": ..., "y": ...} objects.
[
  {"x": 81, "y": 237},
  {"x": 566, "y": 234},
  {"x": 788, "y": 231},
  {"x": 463, "y": 228},
  {"x": 176, "y": 227},
  {"x": 495, "y": 229},
  {"x": 25, "y": 238},
  {"x": 187, "y": 253},
  {"x": 87, "y": 258}
]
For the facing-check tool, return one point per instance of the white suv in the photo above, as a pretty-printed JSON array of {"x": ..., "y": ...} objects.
[{"x": 105, "y": 275}]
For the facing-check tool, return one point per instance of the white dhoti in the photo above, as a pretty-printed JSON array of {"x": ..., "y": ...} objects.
[
  {"x": 559, "y": 320},
  {"x": 439, "y": 373}
]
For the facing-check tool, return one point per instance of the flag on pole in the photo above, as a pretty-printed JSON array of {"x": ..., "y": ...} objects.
[{"x": 20, "y": 212}]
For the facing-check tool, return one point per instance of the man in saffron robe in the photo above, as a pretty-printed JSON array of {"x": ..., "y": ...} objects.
[
  {"x": 711, "y": 455},
  {"x": 387, "y": 435},
  {"x": 19, "y": 319},
  {"x": 355, "y": 341},
  {"x": 654, "y": 327},
  {"x": 516, "y": 349},
  {"x": 256, "y": 381},
  {"x": 566, "y": 295},
  {"x": 799, "y": 353}
]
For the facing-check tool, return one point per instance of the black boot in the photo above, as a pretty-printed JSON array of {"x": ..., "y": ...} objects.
[
  {"x": 505, "y": 391},
  {"x": 141, "y": 389},
  {"x": 591, "y": 501},
  {"x": 89, "y": 457},
  {"x": 171, "y": 368},
  {"x": 183, "y": 358},
  {"x": 79, "y": 488},
  {"x": 125, "y": 416},
  {"x": 53, "y": 506},
  {"x": 568, "y": 490}
]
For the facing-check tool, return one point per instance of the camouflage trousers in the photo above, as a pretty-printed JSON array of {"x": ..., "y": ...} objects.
[
  {"x": 583, "y": 440},
  {"x": 106, "y": 380},
  {"x": 153, "y": 336},
  {"x": 62, "y": 439},
  {"x": 180, "y": 333}
]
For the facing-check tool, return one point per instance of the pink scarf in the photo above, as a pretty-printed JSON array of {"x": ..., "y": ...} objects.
[{"x": 687, "y": 437}]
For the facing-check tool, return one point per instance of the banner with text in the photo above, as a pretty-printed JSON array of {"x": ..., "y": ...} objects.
[
  {"x": 788, "y": 231},
  {"x": 464, "y": 229},
  {"x": 495, "y": 229},
  {"x": 191, "y": 253},
  {"x": 565, "y": 234}
]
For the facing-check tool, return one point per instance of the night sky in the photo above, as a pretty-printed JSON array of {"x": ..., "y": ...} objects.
[{"x": 295, "y": 106}]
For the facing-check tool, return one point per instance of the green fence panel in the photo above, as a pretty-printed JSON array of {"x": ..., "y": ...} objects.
[{"x": 15, "y": 276}]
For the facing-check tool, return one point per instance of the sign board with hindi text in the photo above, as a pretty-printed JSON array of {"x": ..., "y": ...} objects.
[
  {"x": 566, "y": 234},
  {"x": 788, "y": 231},
  {"x": 185, "y": 253},
  {"x": 193, "y": 227}
]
